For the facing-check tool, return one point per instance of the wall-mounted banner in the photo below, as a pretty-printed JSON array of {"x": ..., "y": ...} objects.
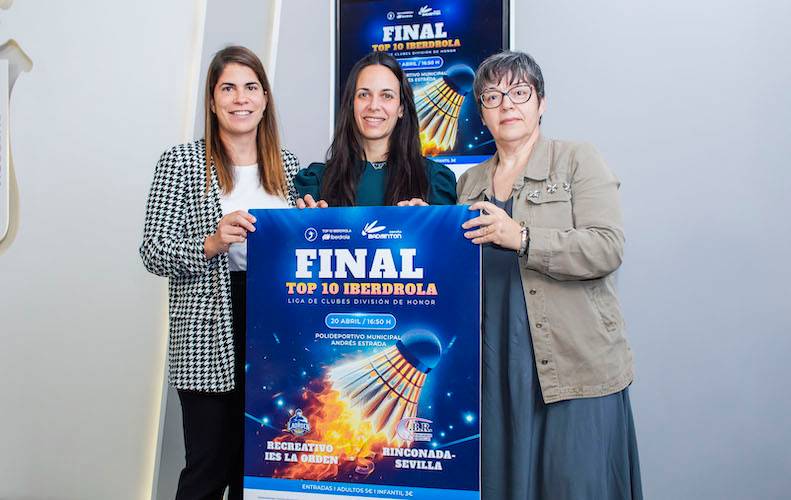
[
  {"x": 439, "y": 44},
  {"x": 363, "y": 354}
]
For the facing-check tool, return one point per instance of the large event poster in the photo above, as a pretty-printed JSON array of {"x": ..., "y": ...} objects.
[
  {"x": 439, "y": 44},
  {"x": 363, "y": 354}
]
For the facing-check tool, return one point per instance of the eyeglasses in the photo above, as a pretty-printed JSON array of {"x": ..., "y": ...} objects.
[{"x": 520, "y": 94}]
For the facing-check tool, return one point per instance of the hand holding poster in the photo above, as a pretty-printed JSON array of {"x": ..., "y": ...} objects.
[{"x": 363, "y": 335}]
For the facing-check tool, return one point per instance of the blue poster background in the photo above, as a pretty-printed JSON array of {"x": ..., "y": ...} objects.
[
  {"x": 291, "y": 350},
  {"x": 479, "y": 27}
]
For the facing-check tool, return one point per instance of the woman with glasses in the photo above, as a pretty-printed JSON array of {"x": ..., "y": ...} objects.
[
  {"x": 375, "y": 156},
  {"x": 195, "y": 234},
  {"x": 557, "y": 421}
]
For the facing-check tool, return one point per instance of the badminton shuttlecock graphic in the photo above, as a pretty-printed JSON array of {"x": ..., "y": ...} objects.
[
  {"x": 438, "y": 106},
  {"x": 385, "y": 387}
]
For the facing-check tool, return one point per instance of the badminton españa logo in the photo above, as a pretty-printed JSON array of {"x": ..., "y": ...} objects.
[
  {"x": 372, "y": 228},
  {"x": 427, "y": 11},
  {"x": 374, "y": 232}
]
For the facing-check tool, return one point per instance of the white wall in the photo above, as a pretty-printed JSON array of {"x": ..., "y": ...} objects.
[
  {"x": 302, "y": 79},
  {"x": 689, "y": 103},
  {"x": 82, "y": 325}
]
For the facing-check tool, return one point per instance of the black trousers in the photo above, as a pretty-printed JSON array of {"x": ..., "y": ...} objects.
[{"x": 214, "y": 423}]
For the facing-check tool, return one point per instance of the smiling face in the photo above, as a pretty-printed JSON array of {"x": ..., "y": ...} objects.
[
  {"x": 377, "y": 103},
  {"x": 513, "y": 122},
  {"x": 238, "y": 100}
]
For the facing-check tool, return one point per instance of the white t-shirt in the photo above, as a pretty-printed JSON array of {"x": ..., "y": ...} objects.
[{"x": 247, "y": 194}]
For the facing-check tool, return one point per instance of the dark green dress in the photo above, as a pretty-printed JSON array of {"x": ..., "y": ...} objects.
[
  {"x": 579, "y": 449},
  {"x": 372, "y": 184}
]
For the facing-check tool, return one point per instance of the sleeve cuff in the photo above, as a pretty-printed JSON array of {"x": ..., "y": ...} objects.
[{"x": 538, "y": 254}]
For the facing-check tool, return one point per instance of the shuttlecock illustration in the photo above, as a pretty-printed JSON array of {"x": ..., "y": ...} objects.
[
  {"x": 386, "y": 387},
  {"x": 438, "y": 106}
]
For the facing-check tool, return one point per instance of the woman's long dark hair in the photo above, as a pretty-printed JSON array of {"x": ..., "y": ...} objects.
[{"x": 406, "y": 170}]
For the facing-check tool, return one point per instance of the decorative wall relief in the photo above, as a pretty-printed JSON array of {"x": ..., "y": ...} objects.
[{"x": 13, "y": 62}]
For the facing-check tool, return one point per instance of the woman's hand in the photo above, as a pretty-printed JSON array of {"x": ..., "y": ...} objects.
[
  {"x": 414, "y": 202},
  {"x": 494, "y": 226},
  {"x": 309, "y": 202},
  {"x": 232, "y": 228}
]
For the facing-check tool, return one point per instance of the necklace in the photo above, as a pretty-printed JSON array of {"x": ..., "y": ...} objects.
[{"x": 378, "y": 165}]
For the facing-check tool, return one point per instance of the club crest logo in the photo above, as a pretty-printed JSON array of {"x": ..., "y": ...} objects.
[
  {"x": 298, "y": 424},
  {"x": 414, "y": 429}
]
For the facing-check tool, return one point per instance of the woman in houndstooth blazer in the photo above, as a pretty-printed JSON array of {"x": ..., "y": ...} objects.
[{"x": 195, "y": 234}]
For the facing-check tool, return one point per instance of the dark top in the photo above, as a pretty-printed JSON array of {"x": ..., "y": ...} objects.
[
  {"x": 580, "y": 448},
  {"x": 373, "y": 182}
]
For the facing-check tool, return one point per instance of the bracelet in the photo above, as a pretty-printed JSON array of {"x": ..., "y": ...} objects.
[{"x": 525, "y": 233}]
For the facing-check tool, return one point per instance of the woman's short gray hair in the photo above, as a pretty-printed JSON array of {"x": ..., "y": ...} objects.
[{"x": 518, "y": 65}]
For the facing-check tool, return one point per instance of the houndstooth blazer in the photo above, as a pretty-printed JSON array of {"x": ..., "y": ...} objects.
[{"x": 179, "y": 216}]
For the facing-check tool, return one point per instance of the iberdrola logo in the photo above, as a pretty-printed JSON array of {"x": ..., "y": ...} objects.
[{"x": 371, "y": 228}]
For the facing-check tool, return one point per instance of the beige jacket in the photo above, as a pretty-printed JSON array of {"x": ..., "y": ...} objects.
[{"x": 568, "y": 199}]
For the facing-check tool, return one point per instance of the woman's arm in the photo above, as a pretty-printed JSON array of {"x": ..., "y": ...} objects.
[
  {"x": 308, "y": 185},
  {"x": 166, "y": 250},
  {"x": 594, "y": 247},
  {"x": 290, "y": 169},
  {"x": 308, "y": 181},
  {"x": 442, "y": 184}
]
